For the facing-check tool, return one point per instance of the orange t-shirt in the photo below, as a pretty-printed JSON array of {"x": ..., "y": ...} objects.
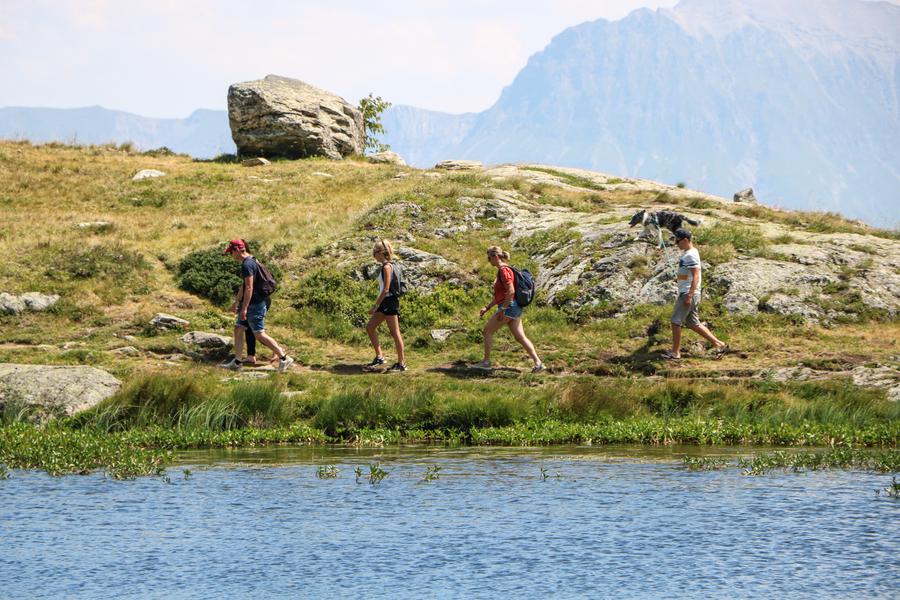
[{"x": 505, "y": 280}]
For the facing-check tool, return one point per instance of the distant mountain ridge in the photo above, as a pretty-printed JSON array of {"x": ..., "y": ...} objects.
[
  {"x": 797, "y": 98},
  {"x": 204, "y": 134}
]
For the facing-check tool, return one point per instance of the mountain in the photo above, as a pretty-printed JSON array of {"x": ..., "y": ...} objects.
[
  {"x": 799, "y": 99},
  {"x": 204, "y": 134}
]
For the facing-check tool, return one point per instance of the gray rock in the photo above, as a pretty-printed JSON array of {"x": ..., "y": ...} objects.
[
  {"x": 441, "y": 335},
  {"x": 746, "y": 195},
  {"x": 278, "y": 116},
  {"x": 792, "y": 306},
  {"x": 94, "y": 225},
  {"x": 52, "y": 391},
  {"x": 741, "y": 303},
  {"x": 207, "y": 340},
  {"x": 164, "y": 321},
  {"x": 323, "y": 175},
  {"x": 126, "y": 351},
  {"x": 883, "y": 377},
  {"x": 255, "y": 162},
  {"x": 460, "y": 165},
  {"x": 147, "y": 174},
  {"x": 387, "y": 157},
  {"x": 11, "y": 305},
  {"x": 37, "y": 302}
]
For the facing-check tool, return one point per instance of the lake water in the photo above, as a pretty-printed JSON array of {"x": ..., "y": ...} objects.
[{"x": 618, "y": 523}]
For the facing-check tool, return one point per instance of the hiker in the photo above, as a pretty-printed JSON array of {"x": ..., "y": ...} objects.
[
  {"x": 249, "y": 338},
  {"x": 251, "y": 306},
  {"x": 387, "y": 306},
  {"x": 508, "y": 311},
  {"x": 685, "y": 313}
]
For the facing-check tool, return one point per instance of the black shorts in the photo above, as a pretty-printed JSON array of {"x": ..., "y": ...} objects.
[{"x": 390, "y": 306}]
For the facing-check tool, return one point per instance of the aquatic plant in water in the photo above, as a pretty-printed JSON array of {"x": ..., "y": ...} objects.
[
  {"x": 432, "y": 472},
  {"x": 892, "y": 490},
  {"x": 358, "y": 472},
  {"x": 376, "y": 474},
  {"x": 705, "y": 463},
  {"x": 327, "y": 472}
]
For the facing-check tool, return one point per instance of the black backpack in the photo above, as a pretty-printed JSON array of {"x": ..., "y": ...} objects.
[
  {"x": 398, "y": 286},
  {"x": 264, "y": 280},
  {"x": 524, "y": 286}
]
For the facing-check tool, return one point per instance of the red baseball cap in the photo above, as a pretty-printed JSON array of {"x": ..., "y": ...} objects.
[{"x": 235, "y": 245}]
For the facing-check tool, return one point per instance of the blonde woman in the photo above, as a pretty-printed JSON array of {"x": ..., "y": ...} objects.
[
  {"x": 387, "y": 307},
  {"x": 508, "y": 312}
]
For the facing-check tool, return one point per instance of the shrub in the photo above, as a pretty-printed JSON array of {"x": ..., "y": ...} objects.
[
  {"x": 215, "y": 276},
  {"x": 102, "y": 260}
]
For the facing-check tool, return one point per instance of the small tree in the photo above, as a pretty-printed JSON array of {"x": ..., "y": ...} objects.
[{"x": 371, "y": 108}]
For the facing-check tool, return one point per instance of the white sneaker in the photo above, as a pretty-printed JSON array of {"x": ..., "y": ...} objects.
[
  {"x": 283, "y": 364},
  {"x": 232, "y": 365},
  {"x": 538, "y": 368}
]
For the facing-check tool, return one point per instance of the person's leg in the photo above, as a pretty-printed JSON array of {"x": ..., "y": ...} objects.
[
  {"x": 250, "y": 340},
  {"x": 518, "y": 331},
  {"x": 490, "y": 328},
  {"x": 393, "y": 322},
  {"x": 372, "y": 329},
  {"x": 676, "y": 340},
  {"x": 708, "y": 335},
  {"x": 239, "y": 342},
  {"x": 266, "y": 340}
]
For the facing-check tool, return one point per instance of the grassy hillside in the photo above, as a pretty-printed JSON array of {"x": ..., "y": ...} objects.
[{"x": 315, "y": 221}]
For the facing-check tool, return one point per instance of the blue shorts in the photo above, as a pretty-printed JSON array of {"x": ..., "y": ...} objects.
[
  {"x": 256, "y": 315},
  {"x": 513, "y": 311}
]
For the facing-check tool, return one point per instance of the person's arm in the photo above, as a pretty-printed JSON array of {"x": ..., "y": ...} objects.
[
  {"x": 247, "y": 293},
  {"x": 695, "y": 278},
  {"x": 510, "y": 295},
  {"x": 237, "y": 299},
  {"x": 388, "y": 273}
]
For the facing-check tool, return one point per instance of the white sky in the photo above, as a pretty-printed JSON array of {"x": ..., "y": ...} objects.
[{"x": 165, "y": 58}]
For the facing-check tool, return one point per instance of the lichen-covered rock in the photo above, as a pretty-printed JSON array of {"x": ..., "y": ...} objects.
[
  {"x": 746, "y": 195},
  {"x": 741, "y": 303},
  {"x": 147, "y": 174},
  {"x": 48, "y": 392},
  {"x": 164, "y": 321},
  {"x": 387, "y": 157},
  {"x": 206, "y": 340},
  {"x": 459, "y": 165},
  {"x": 30, "y": 301},
  {"x": 422, "y": 271},
  {"x": 257, "y": 161},
  {"x": 11, "y": 305},
  {"x": 278, "y": 116}
]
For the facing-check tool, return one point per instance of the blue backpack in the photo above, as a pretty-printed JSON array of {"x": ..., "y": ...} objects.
[{"x": 524, "y": 286}]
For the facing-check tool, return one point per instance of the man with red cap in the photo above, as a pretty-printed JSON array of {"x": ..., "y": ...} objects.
[{"x": 251, "y": 307}]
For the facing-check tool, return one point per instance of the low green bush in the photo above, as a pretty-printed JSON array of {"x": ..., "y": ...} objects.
[{"x": 216, "y": 276}]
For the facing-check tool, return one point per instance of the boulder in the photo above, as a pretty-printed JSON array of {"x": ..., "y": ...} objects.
[
  {"x": 422, "y": 271},
  {"x": 126, "y": 351},
  {"x": 164, "y": 321},
  {"x": 147, "y": 174},
  {"x": 741, "y": 303},
  {"x": 49, "y": 392},
  {"x": 441, "y": 335},
  {"x": 33, "y": 301},
  {"x": 460, "y": 165},
  {"x": 207, "y": 340},
  {"x": 11, "y": 305},
  {"x": 387, "y": 157},
  {"x": 745, "y": 196},
  {"x": 255, "y": 162},
  {"x": 278, "y": 116},
  {"x": 94, "y": 225}
]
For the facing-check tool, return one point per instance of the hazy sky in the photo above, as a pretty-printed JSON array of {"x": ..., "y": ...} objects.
[{"x": 165, "y": 58}]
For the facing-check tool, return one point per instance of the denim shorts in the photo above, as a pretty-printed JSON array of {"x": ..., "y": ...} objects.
[
  {"x": 513, "y": 311},
  {"x": 256, "y": 315}
]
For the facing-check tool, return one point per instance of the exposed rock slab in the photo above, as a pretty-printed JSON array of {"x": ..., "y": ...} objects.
[
  {"x": 30, "y": 301},
  {"x": 459, "y": 165},
  {"x": 147, "y": 174},
  {"x": 206, "y": 340},
  {"x": 387, "y": 157},
  {"x": 278, "y": 116},
  {"x": 164, "y": 321},
  {"x": 257, "y": 161},
  {"x": 54, "y": 391}
]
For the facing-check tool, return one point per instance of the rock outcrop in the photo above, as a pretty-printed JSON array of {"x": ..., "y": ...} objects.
[
  {"x": 164, "y": 321},
  {"x": 387, "y": 157},
  {"x": 459, "y": 165},
  {"x": 147, "y": 174},
  {"x": 278, "y": 116},
  {"x": 745, "y": 196},
  {"x": 30, "y": 301},
  {"x": 45, "y": 392}
]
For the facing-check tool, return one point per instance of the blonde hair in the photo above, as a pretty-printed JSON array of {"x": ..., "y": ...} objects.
[
  {"x": 384, "y": 246},
  {"x": 499, "y": 252}
]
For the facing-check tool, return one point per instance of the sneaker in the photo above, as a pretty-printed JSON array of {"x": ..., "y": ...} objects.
[
  {"x": 397, "y": 368},
  {"x": 377, "y": 361},
  {"x": 538, "y": 368},
  {"x": 284, "y": 363},
  {"x": 484, "y": 365},
  {"x": 232, "y": 365}
]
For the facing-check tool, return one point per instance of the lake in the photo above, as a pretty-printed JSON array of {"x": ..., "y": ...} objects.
[{"x": 617, "y": 522}]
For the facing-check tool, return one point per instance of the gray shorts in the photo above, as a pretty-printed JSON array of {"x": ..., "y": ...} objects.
[{"x": 686, "y": 316}]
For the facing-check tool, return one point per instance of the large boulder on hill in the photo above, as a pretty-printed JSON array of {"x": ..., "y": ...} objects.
[
  {"x": 33, "y": 301},
  {"x": 47, "y": 392},
  {"x": 278, "y": 116}
]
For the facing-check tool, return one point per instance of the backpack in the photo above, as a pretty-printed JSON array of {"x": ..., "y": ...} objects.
[
  {"x": 398, "y": 286},
  {"x": 524, "y": 286},
  {"x": 267, "y": 283}
]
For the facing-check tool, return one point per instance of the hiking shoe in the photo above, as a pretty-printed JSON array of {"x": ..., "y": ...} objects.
[
  {"x": 484, "y": 365},
  {"x": 232, "y": 365},
  {"x": 397, "y": 368},
  {"x": 538, "y": 368},
  {"x": 377, "y": 361},
  {"x": 284, "y": 363}
]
